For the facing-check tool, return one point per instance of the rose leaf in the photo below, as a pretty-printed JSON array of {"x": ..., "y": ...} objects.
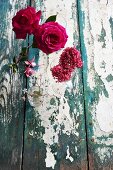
[
  {"x": 34, "y": 45},
  {"x": 23, "y": 58},
  {"x": 14, "y": 60},
  {"x": 51, "y": 18},
  {"x": 24, "y": 51}
]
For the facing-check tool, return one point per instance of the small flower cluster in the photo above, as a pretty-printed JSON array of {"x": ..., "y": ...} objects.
[
  {"x": 28, "y": 70},
  {"x": 69, "y": 60},
  {"x": 48, "y": 37}
]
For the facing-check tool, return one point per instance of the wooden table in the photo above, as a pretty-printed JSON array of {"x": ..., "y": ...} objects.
[{"x": 72, "y": 127}]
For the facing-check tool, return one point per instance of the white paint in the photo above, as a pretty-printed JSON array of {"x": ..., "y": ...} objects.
[
  {"x": 97, "y": 15},
  {"x": 103, "y": 152},
  {"x": 53, "y": 90},
  {"x": 68, "y": 155},
  {"x": 9, "y": 15},
  {"x": 8, "y": 35},
  {"x": 105, "y": 114},
  {"x": 99, "y": 55},
  {"x": 50, "y": 160}
]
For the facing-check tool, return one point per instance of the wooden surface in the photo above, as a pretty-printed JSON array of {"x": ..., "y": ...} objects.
[
  {"x": 96, "y": 34},
  {"x": 11, "y": 103},
  {"x": 55, "y": 130},
  {"x": 70, "y": 126}
]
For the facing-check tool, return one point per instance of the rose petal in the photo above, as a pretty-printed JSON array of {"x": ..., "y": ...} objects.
[{"x": 20, "y": 35}]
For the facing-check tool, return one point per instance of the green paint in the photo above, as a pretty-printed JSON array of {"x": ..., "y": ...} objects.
[
  {"x": 102, "y": 37},
  {"x": 109, "y": 78},
  {"x": 75, "y": 102},
  {"x": 111, "y": 26},
  {"x": 16, "y": 6},
  {"x": 52, "y": 117},
  {"x": 103, "y": 64},
  {"x": 53, "y": 102},
  {"x": 11, "y": 102},
  {"x": 92, "y": 96},
  {"x": 100, "y": 88},
  {"x": 71, "y": 101}
]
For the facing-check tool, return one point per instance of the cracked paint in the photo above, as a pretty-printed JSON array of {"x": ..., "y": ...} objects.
[
  {"x": 56, "y": 111},
  {"x": 99, "y": 49}
]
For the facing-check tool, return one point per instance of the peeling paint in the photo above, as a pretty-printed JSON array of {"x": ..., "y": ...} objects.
[
  {"x": 68, "y": 155},
  {"x": 57, "y": 113},
  {"x": 50, "y": 159},
  {"x": 96, "y": 35}
]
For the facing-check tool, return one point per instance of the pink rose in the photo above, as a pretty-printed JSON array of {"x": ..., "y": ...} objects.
[
  {"x": 25, "y": 21},
  {"x": 50, "y": 37}
]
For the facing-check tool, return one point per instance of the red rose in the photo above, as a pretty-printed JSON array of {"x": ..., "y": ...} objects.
[
  {"x": 61, "y": 74},
  {"x": 50, "y": 37},
  {"x": 70, "y": 58},
  {"x": 25, "y": 21}
]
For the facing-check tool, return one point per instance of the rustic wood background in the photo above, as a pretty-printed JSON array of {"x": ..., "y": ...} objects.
[{"x": 72, "y": 128}]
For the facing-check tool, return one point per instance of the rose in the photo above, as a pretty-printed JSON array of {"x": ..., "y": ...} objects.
[
  {"x": 50, "y": 37},
  {"x": 25, "y": 21},
  {"x": 70, "y": 58}
]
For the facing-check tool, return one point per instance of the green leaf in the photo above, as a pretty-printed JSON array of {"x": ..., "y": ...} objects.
[
  {"x": 24, "y": 51},
  {"x": 34, "y": 45},
  {"x": 14, "y": 60},
  {"x": 51, "y": 18},
  {"x": 23, "y": 58}
]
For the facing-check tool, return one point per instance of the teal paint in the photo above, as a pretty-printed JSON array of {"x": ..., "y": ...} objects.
[
  {"x": 102, "y": 37},
  {"x": 52, "y": 102},
  {"x": 99, "y": 88},
  {"x": 111, "y": 26},
  {"x": 11, "y": 85},
  {"x": 90, "y": 96},
  {"x": 109, "y": 78}
]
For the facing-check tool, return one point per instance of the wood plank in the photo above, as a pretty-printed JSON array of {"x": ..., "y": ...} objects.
[
  {"x": 55, "y": 131},
  {"x": 11, "y": 103},
  {"x": 96, "y": 32}
]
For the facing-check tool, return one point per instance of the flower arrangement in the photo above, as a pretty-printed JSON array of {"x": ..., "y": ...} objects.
[{"x": 48, "y": 37}]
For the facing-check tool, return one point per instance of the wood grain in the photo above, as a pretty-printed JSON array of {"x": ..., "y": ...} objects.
[
  {"x": 11, "y": 103},
  {"x": 96, "y": 32},
  {"x": 55, "y": 131}
]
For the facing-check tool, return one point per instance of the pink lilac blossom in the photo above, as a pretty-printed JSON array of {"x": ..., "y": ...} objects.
[
  {"x": 71, "y": 58},
  {"x": 29, "y": 71},
  {"x": 61, "y": 74},
  {"x": 30, "y": 62}
]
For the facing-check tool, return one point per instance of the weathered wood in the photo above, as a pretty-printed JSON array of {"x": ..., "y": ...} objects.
[
  {"x": 55, "y": 134},
  {"x": 96, "y": 28},
  {"x": 11, "y": 103}
]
